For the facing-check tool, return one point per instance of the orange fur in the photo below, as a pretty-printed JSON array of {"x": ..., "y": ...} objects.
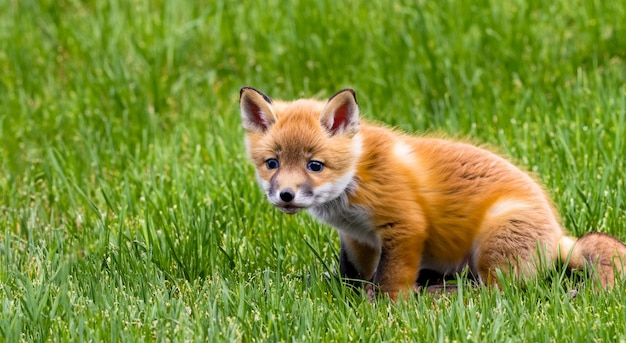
[{"x": 403, "y": 203}]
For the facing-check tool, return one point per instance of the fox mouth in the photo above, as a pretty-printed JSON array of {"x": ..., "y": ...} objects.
[{"x": 289, "y": 209}]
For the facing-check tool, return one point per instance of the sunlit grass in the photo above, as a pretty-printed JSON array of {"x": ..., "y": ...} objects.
[{"x": 128, "y": 210}]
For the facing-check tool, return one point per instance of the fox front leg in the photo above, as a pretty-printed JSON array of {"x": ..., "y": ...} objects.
[
  {"x": 357, "y": 260},
  {"x": 398, "y": 266}
]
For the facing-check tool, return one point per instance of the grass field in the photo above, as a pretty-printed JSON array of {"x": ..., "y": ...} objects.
[{"x": 128, "y": 210}]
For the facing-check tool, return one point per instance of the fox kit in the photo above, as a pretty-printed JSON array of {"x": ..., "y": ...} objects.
[{"x": 402, "y": 203}]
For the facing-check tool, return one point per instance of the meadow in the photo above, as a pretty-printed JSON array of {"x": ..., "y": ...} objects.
[{"x": 129, "y": 212}]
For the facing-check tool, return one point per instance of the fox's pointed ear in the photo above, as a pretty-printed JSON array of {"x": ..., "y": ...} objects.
[
  {"x": 341, "y": 114},
  {"x": 256, "y": 110}
]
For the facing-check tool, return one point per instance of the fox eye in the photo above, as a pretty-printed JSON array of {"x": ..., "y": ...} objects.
[
  {"x": 315, "y": 166},
  {"x": 272, "y": 163}
]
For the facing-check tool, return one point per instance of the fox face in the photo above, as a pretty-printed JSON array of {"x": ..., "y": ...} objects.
[{"x": 305, "y": 152}]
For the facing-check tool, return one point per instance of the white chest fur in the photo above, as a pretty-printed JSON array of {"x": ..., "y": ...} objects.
[{"x": 349, "y": 219}]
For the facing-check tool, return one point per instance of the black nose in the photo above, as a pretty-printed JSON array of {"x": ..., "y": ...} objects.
[{"x": 287, "y": 195}]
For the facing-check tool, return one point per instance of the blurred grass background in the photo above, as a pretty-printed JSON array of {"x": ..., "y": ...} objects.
[{"x": 128, "y": 210}]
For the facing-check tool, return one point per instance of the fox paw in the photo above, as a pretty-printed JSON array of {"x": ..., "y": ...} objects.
[{"x": 372, "y": 292}]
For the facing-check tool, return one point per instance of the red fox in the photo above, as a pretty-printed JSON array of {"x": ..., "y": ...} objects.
[{"x": 402, "y": 203}]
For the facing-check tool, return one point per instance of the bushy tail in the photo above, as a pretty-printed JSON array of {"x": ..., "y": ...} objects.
[{"x": 605, "y": 255}]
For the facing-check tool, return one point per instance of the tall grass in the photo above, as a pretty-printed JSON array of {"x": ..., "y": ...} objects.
[{"x": 128, "y": 210}]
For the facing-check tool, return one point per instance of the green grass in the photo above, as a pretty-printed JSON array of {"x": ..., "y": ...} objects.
[{"x": 128, "y": 210}]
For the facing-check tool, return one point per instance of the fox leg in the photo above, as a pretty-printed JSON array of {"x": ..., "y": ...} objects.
[
  {"x": 519, "y": 242},
  {"x": 357, "y": 260},
  {"x": 398, "y": 267}
]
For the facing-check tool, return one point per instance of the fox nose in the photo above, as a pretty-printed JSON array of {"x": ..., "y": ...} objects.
[{"x": 287, "y": 195}]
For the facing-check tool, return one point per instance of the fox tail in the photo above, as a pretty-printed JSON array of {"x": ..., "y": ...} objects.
[{"x": 604, "y": 255}]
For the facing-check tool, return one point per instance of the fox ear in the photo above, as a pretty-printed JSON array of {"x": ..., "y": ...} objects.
[
  {"x": 341, "y": 114},
  {"x": 256, "y": 110}
]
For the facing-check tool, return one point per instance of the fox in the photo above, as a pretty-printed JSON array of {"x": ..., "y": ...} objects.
[{"x": 404, "y": 203}]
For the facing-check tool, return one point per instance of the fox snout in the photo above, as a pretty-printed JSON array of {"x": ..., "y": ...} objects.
[
  {"x": 287, "y": 195},
  {"x": 286, "y": 201}
]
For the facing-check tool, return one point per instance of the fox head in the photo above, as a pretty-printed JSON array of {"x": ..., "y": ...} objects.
[{"x": 305, "y": 151}]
